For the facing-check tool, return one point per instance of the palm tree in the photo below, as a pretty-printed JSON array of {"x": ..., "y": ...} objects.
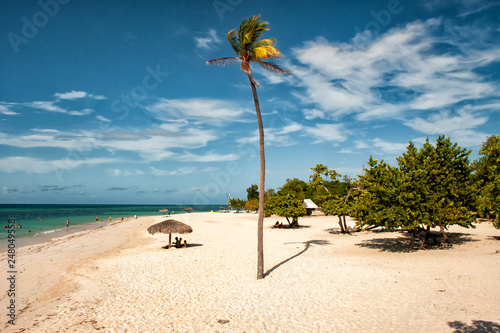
[{"x": 249, "y": 47}]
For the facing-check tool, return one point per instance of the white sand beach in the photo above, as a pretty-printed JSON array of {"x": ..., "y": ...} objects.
[{"x": 119, "y": 279}]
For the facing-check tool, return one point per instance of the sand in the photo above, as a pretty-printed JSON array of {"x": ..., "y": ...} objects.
[{"x": 119, "y": 279}]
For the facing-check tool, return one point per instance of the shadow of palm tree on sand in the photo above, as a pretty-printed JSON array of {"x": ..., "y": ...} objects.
[
  {"x": 306, "y": 247},
  {"x": 477, "y": 326}
]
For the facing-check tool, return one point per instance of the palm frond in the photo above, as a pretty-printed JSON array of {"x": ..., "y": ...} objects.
[
  {"x": 248, "y": 46},
  {"x": 272, "y": 67},
  {"x": 223, "y": 61},
  {"x": 266, "y": 42},
  {"x": 232, "y": 37},
  {"x": 265, "y": 52}
]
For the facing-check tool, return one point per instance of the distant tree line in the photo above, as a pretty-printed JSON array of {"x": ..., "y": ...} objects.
[{"x": 432, "y": 187}]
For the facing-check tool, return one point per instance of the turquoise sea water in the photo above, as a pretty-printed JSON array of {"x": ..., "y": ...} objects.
[{"x": 36, "y": 220}]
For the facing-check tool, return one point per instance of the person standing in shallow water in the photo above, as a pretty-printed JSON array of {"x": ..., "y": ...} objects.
[{"x": 67, "y": 223}]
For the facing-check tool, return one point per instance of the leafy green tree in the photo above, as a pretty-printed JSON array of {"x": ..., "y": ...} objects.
[
  {"x": 377, "y": 203},
  {"x": 253, "y": 192},
  {"x": 487, "y": 169},
  {"x": 249, "y": 47},
  {"x": 297, "y": 187},
  {"x": 235, "y": 203},
  {"x": 286, "y": 205},
  {"x": 337, "y": 205},
  {"x": 322, "y": 178},
  {"x": 252, "y": 205},
  {"x": 430, "y": 188}
]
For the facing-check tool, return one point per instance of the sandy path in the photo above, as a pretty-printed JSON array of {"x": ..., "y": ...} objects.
[{"x": 317, "y": 281}]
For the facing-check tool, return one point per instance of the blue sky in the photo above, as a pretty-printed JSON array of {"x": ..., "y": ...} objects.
[{"x": 112, "y": 102}]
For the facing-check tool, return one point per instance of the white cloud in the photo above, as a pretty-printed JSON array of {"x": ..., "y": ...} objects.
[
  {"x": 389, "y": 147},
  {"x": 104, "y": 119},
  {"x": 361, "y": 144},
  {"x": 405, "y": 69},
  {"x": 209, "y": 157},
  {"x": 208, "y": 41},
  {"x": 71, "y": 95},
  {"x": 311, "y": 114},
  {"x": 290, "y": 128},
  {"x": 5, "y": 109},
  {"x": 445, "y": 123},
  {"x": 178, "y": 172},
  {"x": 151, "y": 144},
  {"x": 460, "y": 127},
  {"x": 328, "y": 132},
  {"x": 275, "y": 136},
  {"x": 119, "y": 172},
  {"x": 199, "y": 110},
  {"x": 84, "y": 112},
  {"x": 13, "y": 164},
  {"x": 47, "y": 106}
]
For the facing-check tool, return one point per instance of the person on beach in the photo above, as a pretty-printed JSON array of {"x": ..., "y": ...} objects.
[
  {"x": 110, "y": 219},
  {"x": 177, "y": 242},
  {"x": 97, "y": 218},
  {"x": 67, "y": 223},
  {"x": 185, "y": 244}
]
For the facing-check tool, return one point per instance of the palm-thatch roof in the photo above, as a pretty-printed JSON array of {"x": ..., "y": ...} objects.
[{"x": 170, "y": 227}]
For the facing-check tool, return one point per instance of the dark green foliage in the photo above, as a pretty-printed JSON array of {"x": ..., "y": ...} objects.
[
  {"x": 324, "y": 184},
  {"x": 253, "y": 192},
  {"x": 487, "y": 176},
  {"x": 431, "y": 187},
  {"x": 286, "y": 205},
  {"x": 252, "y": 205},
  {"x": 297, "y": 187},
  {"x": 237, "y": 203}
]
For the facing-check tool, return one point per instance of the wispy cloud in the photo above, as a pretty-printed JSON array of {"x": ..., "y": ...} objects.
[
  {"x": 328, "y": 133},
  {"x": 46, "y": 106},
  {"x": 389, "y": 147},
  {"x": 54, "y": 105},
  {"x": 208, "y": 157},
  {"x": 120, "y": 172},
  {"x": 198, "y": 110},
  {"x": 25, "y": 164},
  {"x": 275, "y": 136},
  {"x": 461, "y": 127},
  {"x": 104, "y": 119},
  {"x": 76, "y": 95},
  {"x": 422, "y": 67},
  {"x": 83, "y": 112},
  {"x": 178, "y": 172},
  {"x": 208, "y": 41},
  {"x": 154, "y": 144},
  {"x": 6, "y": 110}
]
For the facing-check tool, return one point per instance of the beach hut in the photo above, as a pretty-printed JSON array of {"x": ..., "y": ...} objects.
[
  {"x": 170, "y": 227},
  {"x": 310, "y": 206}
]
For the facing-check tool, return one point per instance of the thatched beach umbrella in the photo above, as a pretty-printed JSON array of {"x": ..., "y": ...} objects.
[
  {"x": 170, "y": 227},
  {"x": 163, "y": 211},
  {"x": 188, "y": 209}
]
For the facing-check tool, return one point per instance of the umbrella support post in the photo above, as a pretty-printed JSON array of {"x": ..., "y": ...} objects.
[{"x": 169, "y": 241}]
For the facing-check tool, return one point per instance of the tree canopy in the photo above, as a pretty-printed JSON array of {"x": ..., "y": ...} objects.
[
  {"x": 286, "y": 205},
  {"x": 487, "y": 169},
  {"x": 431, "y": 187}
]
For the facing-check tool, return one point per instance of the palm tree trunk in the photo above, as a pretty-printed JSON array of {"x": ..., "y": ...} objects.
[{"x": 260, "y": 223}]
